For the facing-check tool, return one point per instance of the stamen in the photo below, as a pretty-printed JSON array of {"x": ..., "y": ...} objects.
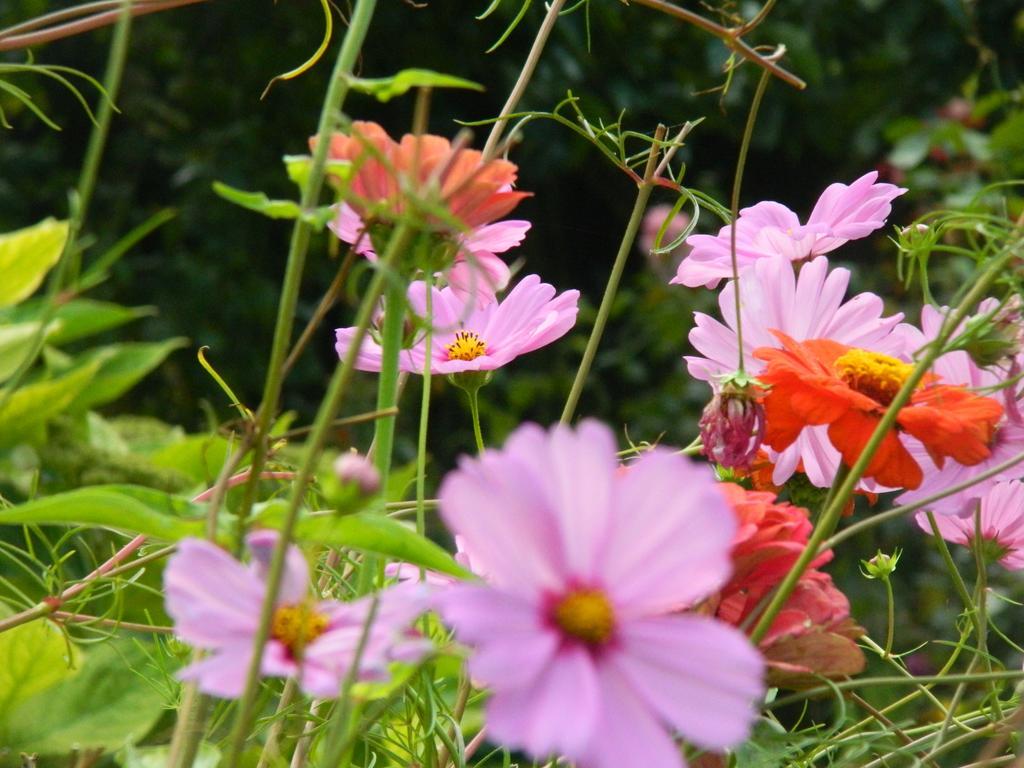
[
  {"x": 296, "y": 626},
  {"x": 873, "y": 374},
  {"x": 586, "y": 615},
  {"x": 467, "y": 346}
]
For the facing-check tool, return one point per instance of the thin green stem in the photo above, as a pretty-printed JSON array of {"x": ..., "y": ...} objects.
[
  {"x": 421, "y": 446},
  {"x": 474, "y": 414},
  {"x": 298, "y": 247},
  {"x": 328, "y": 408},
  {"x": 387, "y": 384},
  {"x": 832, "y": 512},
  {"x": 741, "y": 163},
  {"x": 891, "y": 616},
  {"x": 646, "y": 186},
  {"x": 954, "y": 572}
]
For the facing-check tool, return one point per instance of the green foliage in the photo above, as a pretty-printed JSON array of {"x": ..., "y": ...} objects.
[
  {"x": 33, "y": 658},
  {"x": 105, "y": 702},
  {"x": 26, "y": 410},
  {"x": 387, "y": 88},
  {"x": 131, "y": 509},
  {"x": 26, "y": 255},
  {"x": 274, "y": 209}
]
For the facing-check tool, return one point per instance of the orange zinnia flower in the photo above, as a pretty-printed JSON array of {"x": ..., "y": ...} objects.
[
  {"x": 473, "y": 191},
  {"x": 823, "y": 382}
]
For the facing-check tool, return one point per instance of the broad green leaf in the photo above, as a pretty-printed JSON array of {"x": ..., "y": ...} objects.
[
  {"x": 121, "y": 367},
  {"x": 26, "y": 255},
  {"x": 107, "y": 704},
  {"x": 25, "y": 410},
  {"x": 128, "y": 508},
  {"x": 16, "y": 341},
  {"x": 274, "y": 209},
  {"x": 367, "y": 532},
  {"x": 386, "y": 88},
  {"x": 910, "y": 150},
  {"x": 198, "y": 456},
  {"x": 33, "y": 657},
  {"x": 156, "y": 757}
]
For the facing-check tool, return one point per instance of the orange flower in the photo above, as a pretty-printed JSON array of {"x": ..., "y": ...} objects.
[
  {"x": 473, "y": 191},
  {"x": 823, "y": 382}
]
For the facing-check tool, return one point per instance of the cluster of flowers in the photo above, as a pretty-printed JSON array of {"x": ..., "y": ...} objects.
[{"x": 613, "y": 599}]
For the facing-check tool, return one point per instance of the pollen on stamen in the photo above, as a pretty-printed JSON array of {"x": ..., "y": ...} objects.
[
  {"x": 296, "y": 626},
  {"x": 873, "y": 374},
  {"x": 586, "y": 615},
  {"x": 467, "y": 346}
]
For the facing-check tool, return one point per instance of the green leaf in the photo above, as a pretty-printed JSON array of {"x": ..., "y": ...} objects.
[
  {"x": 33, "y": 657},
  {"x": 107, "y": 704},
  {"x": 78, "y": 318},
  {"x": 121, "y": 367},
  {"x": 910, "y": 150},
  {"x": 16, "y": 341},
  {"x": 367, "y": 532},
  {"x": 386, "y": 88},
  {"x": 297, "y": 168},
  {"x": 156, "y": 757},
  {"x": 198, "y": 456},
  {"x": 24, "y": 411},
  {"x": 26, "y": 255},
  {"x": 274, "y": 209},
  {"x": 128, "y": 508}
]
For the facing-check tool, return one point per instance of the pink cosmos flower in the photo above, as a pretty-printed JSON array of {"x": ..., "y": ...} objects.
[
  {"x": 468, "y": 337},
  {"x": 842, "y": 213},
  {"x": 1002, "y": 524},
  {"x": 215, "y": 602},
  {"x": 808, "y": 306},
  {"x": 388, "y": 174},
  {"x": 575, "y": 632},
  {"x": 958, "y": 368}
]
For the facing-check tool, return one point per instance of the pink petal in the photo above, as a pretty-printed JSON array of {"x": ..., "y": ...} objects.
[
  {"x": 670, "y": 535},
  {"x": 497, "y": 237},
  {"x": 554, "y": 715},
  {"x": 224, "y": 673},
  {"x": 294, "y": 579},
  {"x": 702, "y": 676}
]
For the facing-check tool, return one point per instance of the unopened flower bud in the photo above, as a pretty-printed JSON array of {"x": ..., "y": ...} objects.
[
  {"x": 732, "y": 425},
  {"x": 990, "y": 340},
  {"x": 881, "y": 566},
  {"x": 358, "y": 470}
]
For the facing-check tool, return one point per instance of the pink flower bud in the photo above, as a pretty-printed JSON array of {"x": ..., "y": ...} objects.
[
  {"x": 732, "y": 427},
  {"x": 355, "y": 468}
]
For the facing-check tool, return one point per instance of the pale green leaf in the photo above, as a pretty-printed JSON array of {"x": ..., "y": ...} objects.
[
  {"x": 107, "y": 704},
  {"x": 33, "y": 657},
  {"x": 121, "y": 367},
  {"x": 386, "y": 88},
  {"x": 208, "y": 756},
  {"x": 25, "y": 410},
  {"x": 16, "y": 341},
  {"x": 274, "y": 209},
  {"x": 26, "y": 255}
]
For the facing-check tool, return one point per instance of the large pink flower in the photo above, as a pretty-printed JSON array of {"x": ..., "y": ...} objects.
[
  {"x": 1002, "y": 524},
  {"x": 215, "y": 602},
  {"x": 958, "y": 368},
  {"x": 842, "y": 213},
  {"x": 808, "y": 306},
  {"x": 575, "y": 632},
  {"x": 468, "y": 337}
]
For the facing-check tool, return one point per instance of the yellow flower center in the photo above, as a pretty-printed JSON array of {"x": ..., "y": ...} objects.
[
  {"x": 586, "y": 615},
  {"x": 296, "y": 626},
  {"x": 467, "y": 346},
  {"x": 873, "y": 374}
]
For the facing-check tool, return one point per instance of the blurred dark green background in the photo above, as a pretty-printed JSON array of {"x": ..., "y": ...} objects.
[{"x": 191, "y": 113}]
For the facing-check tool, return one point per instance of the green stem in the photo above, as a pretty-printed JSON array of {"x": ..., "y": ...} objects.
[
  {"x": 387, "y": 387},
  {"x": 891, "y": 614},
  {"x": 643, "y": 194},
  {"x": 298, "y": 247},
  {"x": 311, "y": 452},
  {"x": 954, "y": 572},
  {"x": 474, "y": 413},
  {"x": 832, "y": 512},
  {"x": 741, "y": 162},
  {"x": 421, "y": 446}
]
